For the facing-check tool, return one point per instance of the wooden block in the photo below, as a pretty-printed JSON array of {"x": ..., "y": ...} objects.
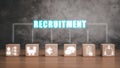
[
  {"x": 12, "y": 49},
  {"x": 70, "y": 50},
  {"x": 51, "y": 49},
  {"x": 108, "y": 49},
  {"x": 32, "y": 49},
  {"x": 88, "y": 49}
]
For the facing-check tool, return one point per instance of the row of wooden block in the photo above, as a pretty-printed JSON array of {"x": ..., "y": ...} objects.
[{"x": 52, "y": 49}]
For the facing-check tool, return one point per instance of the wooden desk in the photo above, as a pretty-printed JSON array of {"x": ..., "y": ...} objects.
[{"x": 60, "y": 61}]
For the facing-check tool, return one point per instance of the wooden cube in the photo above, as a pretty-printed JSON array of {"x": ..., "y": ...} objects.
[
  {"x": 51, "y": 49},
  {"x": 108, "y": 49},
  {"x": 70, "y": 50},
  {"x": 88, "y": 49},
  {"x": 12, "y": 49},
  {"x": 32, "y": 49}
]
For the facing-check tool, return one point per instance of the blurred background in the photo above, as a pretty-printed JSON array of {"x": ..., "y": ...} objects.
[{"x": 25, "y": 11}]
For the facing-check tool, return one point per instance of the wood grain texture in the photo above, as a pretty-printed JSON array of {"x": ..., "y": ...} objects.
[{"x": 60, "y": 61}]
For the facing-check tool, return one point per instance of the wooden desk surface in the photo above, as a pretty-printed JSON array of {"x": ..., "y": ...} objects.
[{"x": 60, "y": 61}]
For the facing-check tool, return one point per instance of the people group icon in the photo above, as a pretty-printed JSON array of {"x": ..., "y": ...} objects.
[
  {"x": 52, "y": 50},
  {"x": 31, "y": 51}
]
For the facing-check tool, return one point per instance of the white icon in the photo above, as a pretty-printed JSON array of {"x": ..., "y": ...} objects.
[
  {"x": 49, "y": 50},
  {"x": 31, "y": 51},
  {"x": 89, "y": 51},
  {"x": 70, "y": 50},
  {"x": 109, "y": 51},
  {"x": 8, "y": 51},
  {"x": 12, "y": 51}
]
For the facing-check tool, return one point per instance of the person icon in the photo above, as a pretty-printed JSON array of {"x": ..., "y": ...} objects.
[
  {"x": 8, "y": 51},
  {"x": 89, "y": 51}
]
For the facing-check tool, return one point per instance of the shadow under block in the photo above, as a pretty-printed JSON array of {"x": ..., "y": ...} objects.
[
  {"x": 51, "y": 49},
  {"x": 70, "y": 50},
  {"x": 12, "y": 49},
  {"x": 108, "y": 49},
  {"x": 89, "y": 50},
  {"x": 32, "y": 49}
]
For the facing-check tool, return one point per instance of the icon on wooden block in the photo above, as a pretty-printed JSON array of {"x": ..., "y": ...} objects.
[
  {"x": 32, "y": 49},
  {"x": 88, "y": 49},
  {"x": 69, "y": 49},
  {"x": 108, "y": 49},
  {"x": 51, "y": 49},
  {"x": 12, "y": 49}
]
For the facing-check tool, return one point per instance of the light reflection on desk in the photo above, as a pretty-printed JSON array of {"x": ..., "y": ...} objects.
[{"x": 60, "y": 62}]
